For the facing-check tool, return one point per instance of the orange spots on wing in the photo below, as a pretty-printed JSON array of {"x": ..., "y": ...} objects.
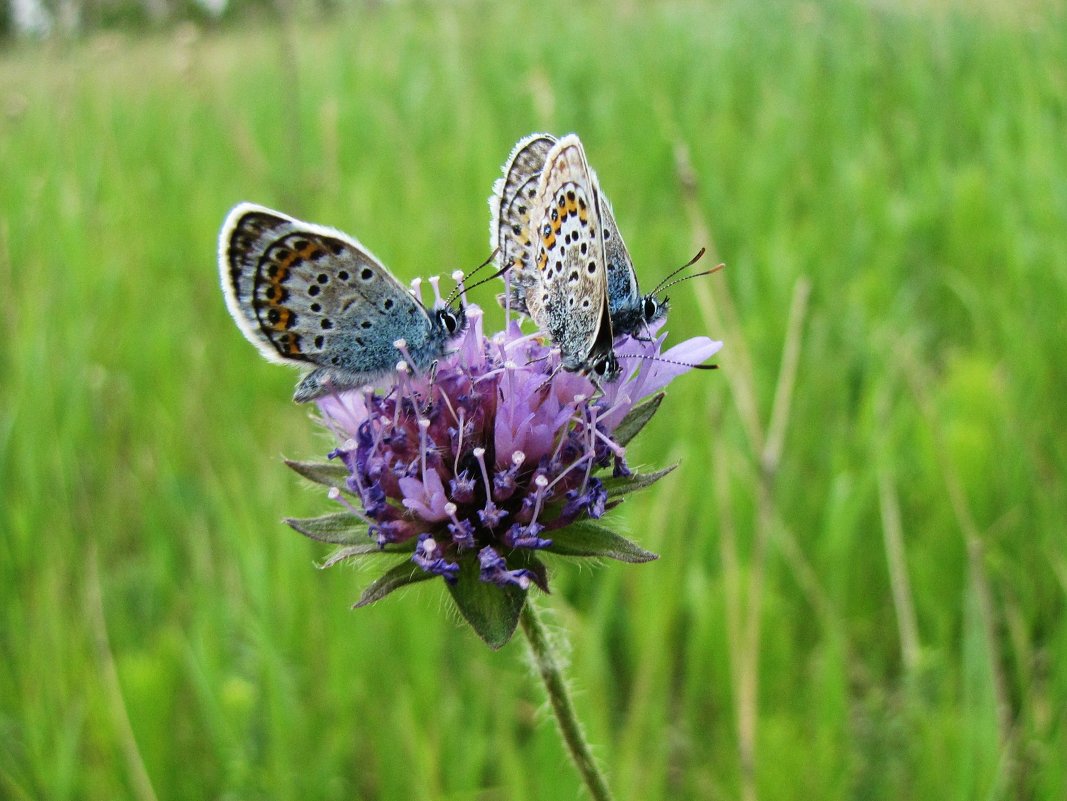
[
  {"x": 289, "y": 345},
  {"x": 280, "y": 318}
]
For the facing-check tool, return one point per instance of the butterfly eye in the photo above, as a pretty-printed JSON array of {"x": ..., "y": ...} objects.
[
  {"x": 606, "y": 365},
  {"x": 449, "y": 321},
  {"x": 651, "y": 307}
]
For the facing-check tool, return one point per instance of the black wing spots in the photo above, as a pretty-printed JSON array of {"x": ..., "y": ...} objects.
[
  {"x": 314, "y": 290},
  {"x": 320, "y": 341},
  {"x": 573, "y": 277},
  {"x": 366, "y": 324},
  {"x": 584, "y": 248},
  {"x": 388, "y": 304},
  {"x": 316, "y": 307},
  {"x": 276, "y": 294},
  {"x": 591, "y": 267},
  {"x": 366, "y": 274},
  {"x": 326, "y": 323}
]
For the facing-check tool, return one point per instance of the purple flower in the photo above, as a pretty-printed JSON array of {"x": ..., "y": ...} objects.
[{"x": 474, "y": 462}]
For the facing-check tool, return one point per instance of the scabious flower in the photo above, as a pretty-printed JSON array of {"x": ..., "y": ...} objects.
[{"x": 477, "y": 469}]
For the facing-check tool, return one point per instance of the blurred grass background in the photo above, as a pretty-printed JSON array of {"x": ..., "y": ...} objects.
[{"x": 863, "y": 569}]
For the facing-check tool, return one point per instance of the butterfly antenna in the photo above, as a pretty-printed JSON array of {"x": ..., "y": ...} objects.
[
  {"x": 673, "y": 273},
  {"x": 668, "y": 361},
  {"x": 461, "y": 285},
  {"x": 715, "y": 269}
]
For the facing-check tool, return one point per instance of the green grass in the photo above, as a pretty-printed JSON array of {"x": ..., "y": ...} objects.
[{"x": 163, "y": 632}]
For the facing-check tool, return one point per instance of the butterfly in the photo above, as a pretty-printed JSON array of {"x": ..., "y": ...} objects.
[
  {"x": 548, "y": 233},
  {"x": 311, "y": 296},
  {"x": 510, "y": 204}
]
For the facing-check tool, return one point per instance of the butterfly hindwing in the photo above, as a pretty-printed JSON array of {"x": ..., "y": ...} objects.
[{"x": 510, "y": 208}]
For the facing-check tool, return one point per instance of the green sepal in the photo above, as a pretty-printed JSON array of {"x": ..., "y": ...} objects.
[
  {"x": 405, "y": 573},
  {"x": 492, "y": 610},
  {"x": 330, "y": 474},
  {"x": 623, "y": 485},
  {"x": 339, "y": 528},
  {"x": 586, "y": 538},
  {"x": 521, "y": 558},
  {"x": 363, "y": 549},
  {"x": 638, "y": 417}
]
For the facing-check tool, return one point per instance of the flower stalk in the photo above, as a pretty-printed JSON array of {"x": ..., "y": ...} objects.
[{"x": 556, "y": 687}]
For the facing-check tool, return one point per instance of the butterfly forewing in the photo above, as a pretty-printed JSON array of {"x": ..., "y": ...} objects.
[{"x": 569, "y": 300}]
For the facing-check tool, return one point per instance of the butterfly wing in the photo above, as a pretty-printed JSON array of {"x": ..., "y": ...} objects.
[
  {"x": 569, "y": 299},
  {"x": 308, "y": 295},
  {"x": 510, "y": 207},
  {"x": 624, "y": 296}
]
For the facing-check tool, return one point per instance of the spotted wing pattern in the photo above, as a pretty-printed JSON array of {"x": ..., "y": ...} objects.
[
  {"x": 509, "y": 220},
  {"x": 569, "y": 299},
  {"x": 308, "y": 295}
]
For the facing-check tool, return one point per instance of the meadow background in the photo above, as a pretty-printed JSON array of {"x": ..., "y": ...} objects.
[{"x": 863, "y": 570}]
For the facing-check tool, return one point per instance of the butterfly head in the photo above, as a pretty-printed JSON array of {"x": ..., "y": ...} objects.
[
  {"x": 450, "y": 320},
  {"x": 605, "y": 367},
  {"x": 654, "y": 309}
]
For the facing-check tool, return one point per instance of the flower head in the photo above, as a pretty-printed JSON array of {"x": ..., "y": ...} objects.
[{"x": 489, "y": 460}]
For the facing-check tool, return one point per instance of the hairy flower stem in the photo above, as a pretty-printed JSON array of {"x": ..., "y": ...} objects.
[{"x": 556, "y": 687}]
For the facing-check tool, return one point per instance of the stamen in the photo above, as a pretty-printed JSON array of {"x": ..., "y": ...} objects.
[
  {"x": 435, "y": 282},
  {"x": 613, "y": 446},
  {"x": 542, "y": 485},
  {"x": 577, "y": 462},
  {"x": 622, "y": 400},
  {"x": 462, "y": 531},
  {"x": 335, "y": 495},
  {"x": 479, "y": 454},
  {"x": 457, "y": 276},
  {"x": 403, "y": 375},
  {"x": 416, "y": 289},
  {"x": 424, "y": 427},
  {"x": 459, "y": 444},
  {"x": 402, "y": 346}
]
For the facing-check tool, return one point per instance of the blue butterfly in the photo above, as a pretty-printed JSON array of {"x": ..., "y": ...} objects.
[
  {"x": 311, "y": 296},
  {"x": 548, "y": 233},
  {"x": 511, "y": 234}
]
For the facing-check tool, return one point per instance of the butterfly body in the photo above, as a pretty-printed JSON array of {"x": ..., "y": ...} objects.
[
  {"x": 631, "y": 312},
  {"x": 311, "y": 296}
]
